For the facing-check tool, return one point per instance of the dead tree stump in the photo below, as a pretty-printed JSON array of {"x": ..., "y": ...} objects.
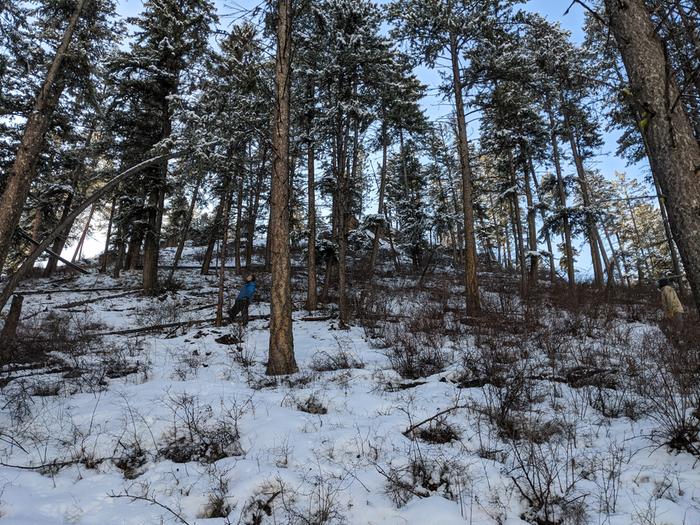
[{"x": 12, "y": 322}]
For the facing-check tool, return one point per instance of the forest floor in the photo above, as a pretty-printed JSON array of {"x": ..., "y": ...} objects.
[{"x": 558, "y": 410}]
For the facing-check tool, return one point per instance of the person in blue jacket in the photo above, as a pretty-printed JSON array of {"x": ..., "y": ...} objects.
[{"x": 243, "y": 300}]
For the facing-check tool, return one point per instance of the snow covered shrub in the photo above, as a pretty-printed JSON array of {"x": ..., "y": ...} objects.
[
  {"x": 341, "y": 360},
  {"x": 196, "y": 435},
  {"x": 670, "y": 385},
  {"x": 39, "y": 339},
  {"x": 439, "y": 432},
  {"x": 546, "y": 476},
  {"x": 607, "y": 468},
  {"x": 415, "y": 355},
  {"x": 129, "y": 457},
  {"x": 188, "y": 362},
  {"x": 372, "y": 311},
  {"x": 218, "y": 505},
  {"x": 275, "y": 502},
  {"x": 419, "y": 475},
  {"x": 312, "y": 405},
  {"x": 164, "y": 309}
]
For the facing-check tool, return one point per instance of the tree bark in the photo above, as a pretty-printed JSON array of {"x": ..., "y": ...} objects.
[
  {"x": 672, "y": 143},
  {"x": 380, "y": 204},
  {"x": 471, "y": 287},
  {"x": 23, "y": 169},
  {"x": 281, "y": 350},
  {"x": 531, "y": 221},
  {"x": 224, "y": 241},
  {"x": 9, "y": 330}
]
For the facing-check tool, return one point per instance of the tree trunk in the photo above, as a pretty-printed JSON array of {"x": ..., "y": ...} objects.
[
  {"x": 471, "y": 287},
  {"x": 23, "y": 169},
  {"x": 185, "y": 228},
  {"x": 224, "y": 241},
  {"x": 380, "y": 204},
  {"x": 78, "y": 253},
  {"x": 60, "y": 241},
  {"x": 311, "y": 293},
  {"x": 103, "y": 265},
  {"x": 213, "y": 235},
  {"x": 517, "y": 225},
  {"x": 531, "y": 222},
  {"x": 281, "y": 350},
  {"x": 253, "y": 216},
  {"x": 9, "y": 330},
  {"x": 569, "y": 251},
  {"x": 547, "y": 235},
  {"x": 239, "y": 214},
  {"x": 674, "y": 148},
  {"x": 591, "y": 228}
]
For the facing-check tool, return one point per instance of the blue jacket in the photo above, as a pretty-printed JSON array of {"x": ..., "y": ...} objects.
[{"x": 247, "y": 291}]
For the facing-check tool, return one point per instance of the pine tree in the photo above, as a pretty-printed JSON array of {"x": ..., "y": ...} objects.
[
  {"x": 76, "y": 22},
  {"x": 171, "y": 37},
  {"x": 440, "y": 28}
]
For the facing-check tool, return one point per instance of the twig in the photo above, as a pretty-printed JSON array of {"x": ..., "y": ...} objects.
[{"x": 152, "y": 501}]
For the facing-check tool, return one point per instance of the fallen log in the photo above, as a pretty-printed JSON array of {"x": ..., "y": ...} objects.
[
  {"x": 158, "y": 327},
  {"x": 95, "y": 299},
  {"x": 78, "y": 290},
  {"x": 320, "y": 318},
  {"x": 155, "y": 328}
]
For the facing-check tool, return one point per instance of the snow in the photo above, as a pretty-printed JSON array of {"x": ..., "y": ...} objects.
[{"x": 337, "y": 458}]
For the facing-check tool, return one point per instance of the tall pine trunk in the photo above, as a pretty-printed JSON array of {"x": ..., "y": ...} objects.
[
  {"x": 211, "y": 239},
  {"x": 380, "y": 204},
  {"x": 281, "y": 350},
  {"x": 533, "y": 253},
  {"x": 224, "y": 241},
  {"x": 591, "y": 228},
  {"x": 471, "y": 287},
  {"x": 561, "y": 193},
  {"x": 311, "y": 293}
]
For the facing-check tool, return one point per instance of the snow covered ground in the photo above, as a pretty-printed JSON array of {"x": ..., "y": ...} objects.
[{"x": 175, "y": 427}]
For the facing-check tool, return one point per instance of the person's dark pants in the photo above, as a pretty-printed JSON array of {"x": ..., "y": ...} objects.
[
  {"x": 239, "y": 307},
  {"x": 673, "y": 329}
]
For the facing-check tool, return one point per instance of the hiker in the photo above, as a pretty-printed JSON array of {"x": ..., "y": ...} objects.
[
  {"x": 243, "y": 300},
  {"x": 673, "y": 309}
]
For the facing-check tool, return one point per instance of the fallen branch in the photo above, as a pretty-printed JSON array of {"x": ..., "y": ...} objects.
[
  {"x": 152, "y": 501},
  {"x": 28, "y": 238},
  {"x": 78, "y": 290},
  {"x": 28, "y": 263},
  {"x": 410, "y": 429}
]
